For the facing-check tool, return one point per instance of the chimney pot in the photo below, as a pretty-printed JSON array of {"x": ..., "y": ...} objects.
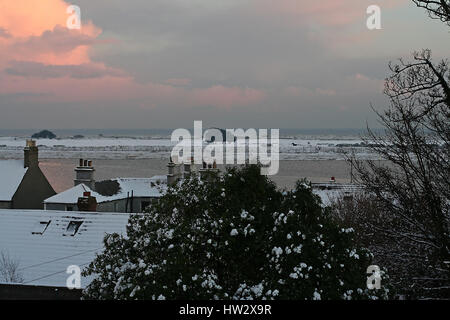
[
  {"x": 31, "y": 154},
  {"x": 31, "y": 143}
]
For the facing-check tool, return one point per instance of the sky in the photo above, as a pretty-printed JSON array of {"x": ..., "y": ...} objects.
[{"x": 230, "y": 63}]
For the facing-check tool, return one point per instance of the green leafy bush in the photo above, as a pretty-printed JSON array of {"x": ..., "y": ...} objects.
[{"x": 233, "y": 237}]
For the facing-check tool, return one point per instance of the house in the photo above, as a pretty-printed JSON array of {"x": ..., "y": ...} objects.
[
  {"x": 118, "y": 194},
  {"x": 114, "y": 195},
  {"x": 22, "y": 183},
  {"x": 329, "y": 192},
  {"x": 43, "y": 244}
]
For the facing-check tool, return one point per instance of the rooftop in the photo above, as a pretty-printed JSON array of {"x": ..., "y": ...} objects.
[
  {"x": 328, "y": 192},
  {"x": 114, "y": 189},
  {"x": 45, "y": 243},
  {"x": 11, "y": 175}
]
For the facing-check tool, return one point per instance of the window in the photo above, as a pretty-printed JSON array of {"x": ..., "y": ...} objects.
[
  {"x": 69, "y": 208},
  {"x": 40, "y": 227},
  {"x": 72, "y": 228}
]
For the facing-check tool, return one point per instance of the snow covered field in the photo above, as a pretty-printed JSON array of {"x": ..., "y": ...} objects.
[{"x": 158, "y": 148}]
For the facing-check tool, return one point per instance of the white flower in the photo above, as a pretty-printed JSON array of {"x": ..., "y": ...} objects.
[
  {"x": 233, "y": 232},
  {"x": 277, "y": 250},
  {"x": 316, "y": 296}
]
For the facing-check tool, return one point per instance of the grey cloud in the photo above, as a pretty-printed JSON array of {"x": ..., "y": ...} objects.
[
  {"x": 4, "y": 33},
  {"x": 83, "y": 71}
]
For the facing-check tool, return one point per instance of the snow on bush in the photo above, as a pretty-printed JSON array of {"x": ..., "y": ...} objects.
[{"x": 255, "y": 243}]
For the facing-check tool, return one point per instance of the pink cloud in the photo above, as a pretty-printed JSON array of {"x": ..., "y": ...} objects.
[
  {"x": 338, "y": 25},
  {"x": 323, "y": 12},
  {"x": 50, "y": 63},
  {"x": 113, "y": 89}
]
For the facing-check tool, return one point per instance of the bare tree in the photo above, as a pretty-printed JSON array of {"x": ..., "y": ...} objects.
[
  {"x": 9, "y": 269},
  {"x": 374, "y": 228},
  {"x": 437, "y": 9},
  {"x": 415, "y": 190},
  {"x": 412, "y": 192}
]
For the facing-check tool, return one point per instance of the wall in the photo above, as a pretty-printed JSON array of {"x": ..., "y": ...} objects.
[
  {"x": 5, "y": 204},
  {"x": 121, "y": 205},
  {"x": 110, "y": 206},
  {"x": 33, "y": 190},
  {"x": 59, "y": 206}
]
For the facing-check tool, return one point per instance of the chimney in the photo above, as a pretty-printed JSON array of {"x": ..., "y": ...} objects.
[
  {"x": 87, "y": 203},
  {"x": 84, "y": 173},
  {"x": 174, "y": 172},
  {"x": 31, "y": 154},
  {"x": 208, "y": 171},
  {"x": 188, "y": 168}
]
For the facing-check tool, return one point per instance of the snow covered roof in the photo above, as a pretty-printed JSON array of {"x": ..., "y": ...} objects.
[
  {"x": 140, "y": 187},
  {"x": 70, "y": 196},
  {"x": 45, "y": 243},
  {"x": 328, "y": 192},
  {"x": 11, "y": 175}
]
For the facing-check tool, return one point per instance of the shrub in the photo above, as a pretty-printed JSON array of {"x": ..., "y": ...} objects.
[{"x": 232, "y": 237}]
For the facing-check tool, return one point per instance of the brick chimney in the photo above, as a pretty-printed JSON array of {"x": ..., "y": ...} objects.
[
  {"x": 31, "y": 154},
  {"x": 84, "y": 173},
  {"x": 87, "y": 203}
]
